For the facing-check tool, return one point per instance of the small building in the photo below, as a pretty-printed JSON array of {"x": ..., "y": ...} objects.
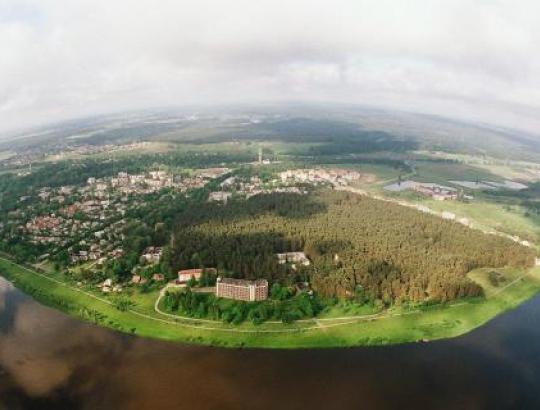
[
  {"x": 293, "y": 257},
  {"x": 137, "y": 279},
  {"x": 107, "y": 286},
  {"x": 158, "y": 277},
  {"x": 437, "y": 192},
  {"x": 240, "y": 289},
  {"x": 219, "y": 196},
  {"x": 152, "y": 254},
  {"x": 187, "y": 274},
  {"x": 116, "y": 253}
]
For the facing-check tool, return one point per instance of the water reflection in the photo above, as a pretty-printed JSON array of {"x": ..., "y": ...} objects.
[{"x": 49, "y": 360}]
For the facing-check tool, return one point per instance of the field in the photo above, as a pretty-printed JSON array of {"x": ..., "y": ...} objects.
[
  {"x": 443, "y": 172},
  {"x": 393, "y": 326},
  {"x": 507, "y": 169},
  {"x": 491, "y": 216}
]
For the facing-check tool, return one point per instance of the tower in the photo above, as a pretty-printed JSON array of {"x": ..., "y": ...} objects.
[{"x": 260, "y": 155}]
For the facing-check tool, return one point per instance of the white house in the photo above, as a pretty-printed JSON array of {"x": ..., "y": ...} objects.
[{"x": 448, "y": 215}]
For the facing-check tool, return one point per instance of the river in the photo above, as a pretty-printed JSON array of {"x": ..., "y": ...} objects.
[{"x": 50, "y": 360}]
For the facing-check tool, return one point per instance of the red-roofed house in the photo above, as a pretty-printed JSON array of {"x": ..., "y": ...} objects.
[{"x": 187, "y": 274}]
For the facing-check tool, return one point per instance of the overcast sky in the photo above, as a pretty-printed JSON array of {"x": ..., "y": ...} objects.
[{"x": 474, "y": 59}]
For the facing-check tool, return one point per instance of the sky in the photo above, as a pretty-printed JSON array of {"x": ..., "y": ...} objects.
[{"x": 477, "y": 60}]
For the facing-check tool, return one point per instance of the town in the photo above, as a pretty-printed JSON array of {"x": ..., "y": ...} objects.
[
  {"x": 289, "y": 181},
  {"x": 83, "y": 227},
  {"x": 88, "y": 220}
]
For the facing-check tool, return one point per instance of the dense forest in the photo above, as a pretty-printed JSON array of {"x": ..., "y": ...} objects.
[{"x": 357, "y": 244}]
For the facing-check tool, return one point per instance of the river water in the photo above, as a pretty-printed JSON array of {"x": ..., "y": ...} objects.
[{"x": 49, "y": 360}]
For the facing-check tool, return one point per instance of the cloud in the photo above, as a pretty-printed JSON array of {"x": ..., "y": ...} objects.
[{"x": 476, "y": 60}]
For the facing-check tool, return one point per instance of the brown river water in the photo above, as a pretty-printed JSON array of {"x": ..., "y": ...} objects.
[{"x": 51, "y": 361}]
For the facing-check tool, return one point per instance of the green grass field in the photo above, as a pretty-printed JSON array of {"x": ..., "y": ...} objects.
[
  {"x": 394, "y": 326},
  {"x": 511, "y": 220}
]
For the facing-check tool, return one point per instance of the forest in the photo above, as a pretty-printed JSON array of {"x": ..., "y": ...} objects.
[
  {"x": 325, "y": 137},
  {"x": 528, "y": 198},
  {"x": 356, "y": 244}
]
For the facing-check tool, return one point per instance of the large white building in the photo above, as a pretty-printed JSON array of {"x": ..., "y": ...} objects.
[{"x": 240, "y": 289}]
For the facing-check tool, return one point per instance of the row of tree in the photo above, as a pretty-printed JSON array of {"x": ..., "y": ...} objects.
[{"x": 283, "y": 306}]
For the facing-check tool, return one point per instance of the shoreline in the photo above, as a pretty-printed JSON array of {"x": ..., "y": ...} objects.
[{"x": 438, "y": 322}]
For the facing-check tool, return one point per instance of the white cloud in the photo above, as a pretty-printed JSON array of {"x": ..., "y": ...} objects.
[{"x": 61, "y": 59}]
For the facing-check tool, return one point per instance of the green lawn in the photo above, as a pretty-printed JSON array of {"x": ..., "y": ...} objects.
[
  {"x": 492, "y": 216},
  {"x": 346, "y": 308},
  {"x": 433, "y": 323}
]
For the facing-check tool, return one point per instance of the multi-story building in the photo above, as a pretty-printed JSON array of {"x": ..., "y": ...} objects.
[{"x": 240, "y": 289}]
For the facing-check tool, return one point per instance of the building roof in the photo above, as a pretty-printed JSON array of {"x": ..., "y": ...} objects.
[
  {"x": 190, "y": 271},
  {"x": 243, "y": 282},
  {"x": 196, "y": 271}
]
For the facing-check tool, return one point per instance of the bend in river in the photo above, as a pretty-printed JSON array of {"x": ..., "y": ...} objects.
[{"x": 50, "y": 360}]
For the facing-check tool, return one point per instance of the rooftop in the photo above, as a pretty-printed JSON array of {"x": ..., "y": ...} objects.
[{"x": 243, "y": 282}]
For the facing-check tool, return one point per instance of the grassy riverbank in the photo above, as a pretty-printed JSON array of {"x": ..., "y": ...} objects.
[{"x": 394, "y": 326}]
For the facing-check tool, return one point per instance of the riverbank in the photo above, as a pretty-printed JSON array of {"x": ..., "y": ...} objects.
[{"x": 394, "y": 326}]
